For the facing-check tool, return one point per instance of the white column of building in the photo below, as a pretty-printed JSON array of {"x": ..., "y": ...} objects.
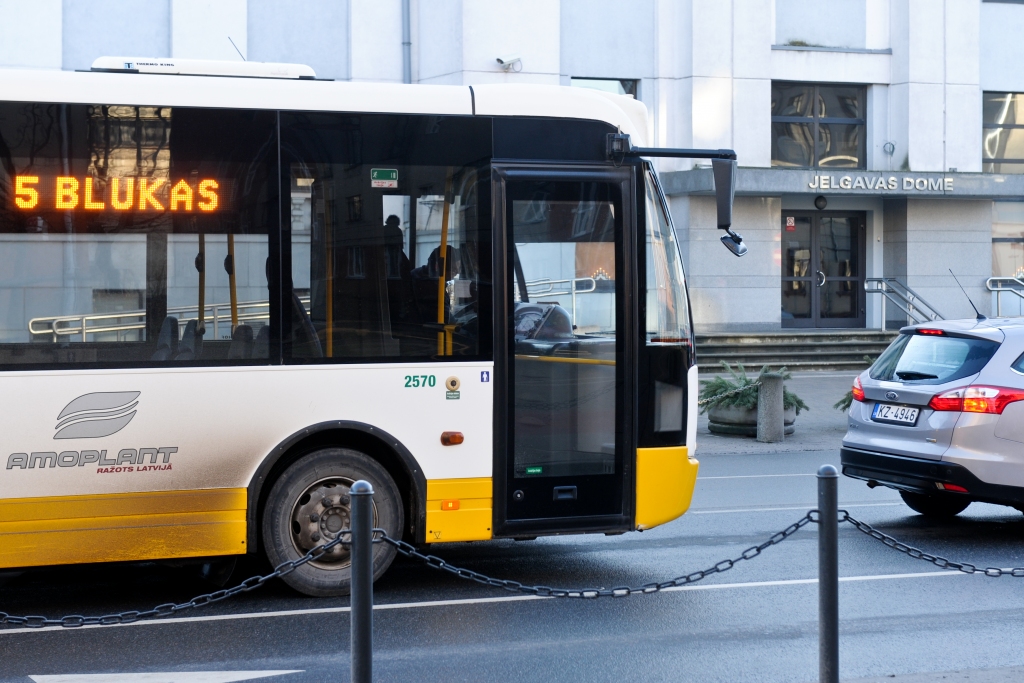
[
  {"x": 935, "y": 93},
  {"x": 458, "y": 41},
  {"x": 313, "y": 32},
  {"x": 205, "y": 29},
  {"x": 728, "y": 102},
  {"x": 103, "y": 27},
  {"x": 935, "y": 114},
  {"x": 31, "y": 34},
  {"x": 375, "y": 40}
]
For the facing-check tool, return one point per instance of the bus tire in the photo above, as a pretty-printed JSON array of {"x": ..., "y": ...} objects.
[{"x": 309, "y": 503}]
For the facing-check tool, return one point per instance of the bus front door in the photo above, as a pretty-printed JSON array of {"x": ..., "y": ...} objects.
[{"x": 563, "y": 357}]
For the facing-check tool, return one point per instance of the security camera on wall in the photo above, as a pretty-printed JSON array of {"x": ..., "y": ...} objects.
[{"x": 510, "y": 62}]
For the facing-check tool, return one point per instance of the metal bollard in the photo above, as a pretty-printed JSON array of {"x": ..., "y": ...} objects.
[
  {"x": 828, "y": 574},
  {"x": 771, "y": 427},
  {"x": 362, "y": 582}
]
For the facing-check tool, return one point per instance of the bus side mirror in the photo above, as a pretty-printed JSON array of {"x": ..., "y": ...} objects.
[{"x": 724, "y": 171}]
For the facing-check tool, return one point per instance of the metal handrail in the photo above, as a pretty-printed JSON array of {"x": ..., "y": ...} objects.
[
  {"x": 547, "y": 286},
  {"x": 903, "y": 297},
  {"x": 95, "y": 323},
  {"x": 998, "y": 285}
]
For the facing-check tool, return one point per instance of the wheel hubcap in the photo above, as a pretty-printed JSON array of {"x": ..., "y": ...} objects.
[{"x": 318, "y": 515}]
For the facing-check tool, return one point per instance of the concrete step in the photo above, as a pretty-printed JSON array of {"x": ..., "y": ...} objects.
[
  {"x": 753, "y": 369},
  {"x": 821, "y": 347},
  {"x": 797, "y": 336},
  {"x": 797, "y": 350}
]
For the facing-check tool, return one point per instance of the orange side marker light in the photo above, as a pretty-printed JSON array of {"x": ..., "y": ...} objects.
[
  {"x": 449, "y": 505},
  {"x": 452, "y": 438}
]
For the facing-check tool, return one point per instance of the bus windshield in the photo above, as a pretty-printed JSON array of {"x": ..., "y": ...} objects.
[{"x": 668, "y": 314}]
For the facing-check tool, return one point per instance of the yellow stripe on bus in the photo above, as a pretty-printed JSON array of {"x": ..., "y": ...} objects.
[
  {"x": 459, "y": 509},
  {"x": 665, "y": 479},
  {"x": 560, "y": 359},
  {"x": 120, "y": 527}
]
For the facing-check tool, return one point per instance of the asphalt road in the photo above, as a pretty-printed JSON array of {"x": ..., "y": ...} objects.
[{"x": 757, "y": 622}]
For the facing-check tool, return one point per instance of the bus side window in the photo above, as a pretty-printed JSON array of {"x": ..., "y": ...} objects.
[
  {"x": 391, "y": 259},
  {"x": 143, "y": 238}
]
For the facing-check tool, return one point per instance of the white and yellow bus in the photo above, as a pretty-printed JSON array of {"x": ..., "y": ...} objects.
[{"x": 223, "y": 300}]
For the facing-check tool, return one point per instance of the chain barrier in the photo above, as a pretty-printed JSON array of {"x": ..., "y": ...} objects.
[
  {"x": 407, "y": 550},
  {"x": 918, "y": 554},
  {"x": 750, "y": 553},
  {"x": 410, "y": 551},
  {"x": 167, "y": 609},
  {"x": 705, "y": 401}
]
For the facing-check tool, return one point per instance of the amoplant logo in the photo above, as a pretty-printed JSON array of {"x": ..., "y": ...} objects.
[{"x": 92, "y": 416}]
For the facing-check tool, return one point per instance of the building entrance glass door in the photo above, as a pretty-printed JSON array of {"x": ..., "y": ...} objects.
[{"x": 822, "y": 269}]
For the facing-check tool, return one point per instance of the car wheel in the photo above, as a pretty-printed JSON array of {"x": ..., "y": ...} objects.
[
  {"x": 309, "y": 504},
  {"x": 935, "y": 506}
]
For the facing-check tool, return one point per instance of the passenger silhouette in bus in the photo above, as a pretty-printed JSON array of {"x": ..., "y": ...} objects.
[
  {"x": 398, "y": 265},
  {"x": 432, "y": 268}
]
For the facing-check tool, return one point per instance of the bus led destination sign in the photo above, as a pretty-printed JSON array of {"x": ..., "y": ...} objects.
[
  {"x": 872, "y": 182},
  {"x": 63, "y": 193}
]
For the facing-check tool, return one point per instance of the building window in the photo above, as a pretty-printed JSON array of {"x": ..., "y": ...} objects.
[
  {"x": 1002, "y": 132},
  {"x": 1008, "y": 239},
  {"x": 619, "y": 86},
  {"x": 817, "y": 126}
]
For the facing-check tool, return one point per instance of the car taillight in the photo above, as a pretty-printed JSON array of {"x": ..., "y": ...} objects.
[
  {"x": 990, "y": 399},
  {"x": 931, "y": 333},
  {"x": 858, "y": 390},
  {"x": 976, "y": 399},
  {"x": 950, "y": 400}
]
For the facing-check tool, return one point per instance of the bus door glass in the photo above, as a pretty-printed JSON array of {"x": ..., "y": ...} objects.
[{"x": 564, "y": 350}]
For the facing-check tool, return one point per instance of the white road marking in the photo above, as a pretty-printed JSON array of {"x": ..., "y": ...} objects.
[
  {"x": 465, "y": 601},
  {"x": 783, "y": 509},
  {"x": 756, "y": 476},
  {"x": 169, "y": 677},
  {"x": 798, "y": 582}
]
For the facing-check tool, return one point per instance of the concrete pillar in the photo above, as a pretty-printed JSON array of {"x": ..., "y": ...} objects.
[{"x": 771, "y": 419}]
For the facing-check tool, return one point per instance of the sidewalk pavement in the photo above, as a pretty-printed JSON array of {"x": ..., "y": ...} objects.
[
  {"x": 1000, "y": 675},
  {"x": 818, "y": 429}
]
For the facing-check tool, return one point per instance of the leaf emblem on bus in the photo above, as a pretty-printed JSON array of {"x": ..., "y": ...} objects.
[{"x": 92, "y": 416}]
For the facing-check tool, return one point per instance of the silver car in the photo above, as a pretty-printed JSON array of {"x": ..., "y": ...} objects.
[{"x": 940, "y": 417}]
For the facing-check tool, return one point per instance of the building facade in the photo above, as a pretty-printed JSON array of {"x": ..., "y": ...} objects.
[{"x": 876, "y": 138}]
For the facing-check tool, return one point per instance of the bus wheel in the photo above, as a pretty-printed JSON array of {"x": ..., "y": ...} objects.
[{"x": 309, "y": 504}]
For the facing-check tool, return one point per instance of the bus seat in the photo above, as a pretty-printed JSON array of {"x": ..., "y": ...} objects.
[
  {"x": 241, "y": 342},
  {"x": 191, "y": 345},
  {"x": 305, "y": 343},
  {"x": 167, "y": 340},
  {"x": 261, "y": 347}
]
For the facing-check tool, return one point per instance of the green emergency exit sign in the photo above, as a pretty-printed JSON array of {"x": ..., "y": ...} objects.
[{"x": 384, "y": 177}]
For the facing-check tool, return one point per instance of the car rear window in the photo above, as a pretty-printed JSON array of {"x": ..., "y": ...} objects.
[
  {"x": 932, "y": 359},
  {"x": 1018, "y": 364}
]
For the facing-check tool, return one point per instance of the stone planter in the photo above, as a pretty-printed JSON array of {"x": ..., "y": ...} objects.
[{"x": 742, "y": 421}]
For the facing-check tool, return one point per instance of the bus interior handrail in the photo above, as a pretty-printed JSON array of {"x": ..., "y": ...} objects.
[
  {"x": 217, "y": 314},
  {"x": 546, "y": 286}
]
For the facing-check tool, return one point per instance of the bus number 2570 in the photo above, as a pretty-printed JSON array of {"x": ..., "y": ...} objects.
[{"x": 413, "y": 381}]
